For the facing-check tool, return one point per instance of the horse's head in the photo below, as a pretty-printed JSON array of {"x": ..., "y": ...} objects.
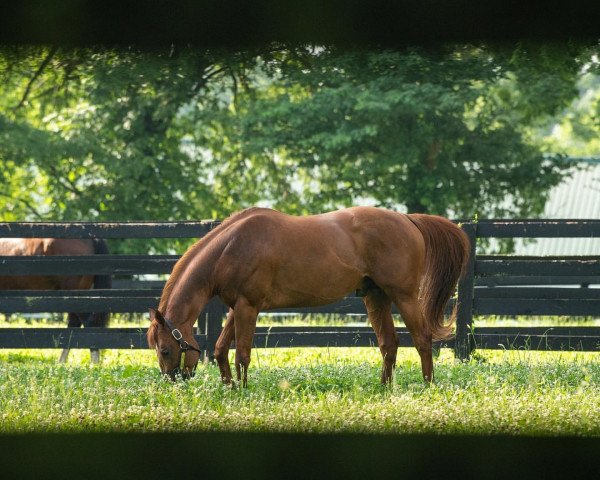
[{"x": 169, "y": 344}]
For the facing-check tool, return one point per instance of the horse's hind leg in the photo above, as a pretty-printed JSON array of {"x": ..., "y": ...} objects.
[
  {"x": 74, "y": 320},
  {"x": 222, "y": 348},
  {"x": 245, "y": 326},
  {"x": 95, "y": 356},
  {"x": 379, "y": 310},
  {"x": 412, "y": 314},
  {"x": 95, "y": 320}
]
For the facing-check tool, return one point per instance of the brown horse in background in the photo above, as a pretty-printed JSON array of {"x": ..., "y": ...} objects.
[
  {"x": 261, "y": 259},
  {"x": 66, "y": 247}
]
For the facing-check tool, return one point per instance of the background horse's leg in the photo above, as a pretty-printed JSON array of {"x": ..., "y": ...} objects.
[
  {"x": 95, "y": 320},
  {"x": 411, "y": 312},
  {"x": 99, "y": 319},
  {"x": 73, "y": 321},
  {"x": 222, "y": 348},
  {"x": 95, "y": 356},
  {"x": 64, "y": 355},
  {"x": 245, "y": 326},
  {"x": 379, "y": 310}
]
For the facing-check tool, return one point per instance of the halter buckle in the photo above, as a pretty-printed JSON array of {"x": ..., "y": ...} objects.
[{"x": 177, "y": 335}]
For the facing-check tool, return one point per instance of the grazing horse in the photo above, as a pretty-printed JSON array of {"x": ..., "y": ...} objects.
[
  {"x": 59, "y": 246},
  {"x": 261, "y": 259}
]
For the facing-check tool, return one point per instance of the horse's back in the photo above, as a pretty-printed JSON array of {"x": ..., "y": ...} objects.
[
  {"x": 45, "y": 246},
  {"x": 68, "y": 246},
  {"x": 21, "y": 246},
  {"x": 24, "y": 247},
  {"x": 359, "y": 232},
  {"x": 316, "y": 259}
]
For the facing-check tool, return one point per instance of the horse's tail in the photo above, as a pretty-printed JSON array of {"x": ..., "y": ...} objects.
[
  {"x": 447, "y": 252},
  {"x": 100, "y": 319}
]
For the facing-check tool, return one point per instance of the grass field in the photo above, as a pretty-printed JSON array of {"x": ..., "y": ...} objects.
[{"x": 305, "y": 390}]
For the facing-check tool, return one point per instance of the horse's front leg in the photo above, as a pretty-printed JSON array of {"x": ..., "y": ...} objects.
[
  {"x": 222, "y": 348},
  {"x": 245, "y": 325}
]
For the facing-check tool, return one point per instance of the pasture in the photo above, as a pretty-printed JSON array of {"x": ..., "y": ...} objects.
[
  {"x": 305, "y": 390},
  {"x": 517, "y": 392}
]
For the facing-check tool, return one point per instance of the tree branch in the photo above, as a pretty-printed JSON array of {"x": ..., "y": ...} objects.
[
  {"x": 208, "y": 76},
  {"x": 235, "y": 88},
  {"x": 27, "y": 205},
  {"x": 36, "y": 75},
  {"x": 65, "y": 182}
]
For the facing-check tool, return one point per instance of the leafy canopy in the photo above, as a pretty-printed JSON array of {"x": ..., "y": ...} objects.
[{"x": 176, "y": 134}]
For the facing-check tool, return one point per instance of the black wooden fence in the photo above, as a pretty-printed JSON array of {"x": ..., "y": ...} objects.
[{"x": 494, "y": 285}]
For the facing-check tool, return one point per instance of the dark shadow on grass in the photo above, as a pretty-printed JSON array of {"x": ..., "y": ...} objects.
[{"x": 273, "y": 455}]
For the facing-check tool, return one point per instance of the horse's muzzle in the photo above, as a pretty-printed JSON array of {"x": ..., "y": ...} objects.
[{"x": 184, "y": 374}]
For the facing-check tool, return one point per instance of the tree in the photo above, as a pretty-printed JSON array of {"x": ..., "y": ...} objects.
[
  {"x": 443, "y": 131},
  {"x": 576, "y": 130},
  {"x": 94, "y": 134},
  {"x": 176, "y": 134}
]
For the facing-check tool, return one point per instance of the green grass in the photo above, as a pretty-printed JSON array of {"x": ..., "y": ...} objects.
[{"x": 305, "y": 390}]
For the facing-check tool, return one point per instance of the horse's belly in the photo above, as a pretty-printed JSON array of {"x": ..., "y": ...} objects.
[{"x": 310, "y": 294}]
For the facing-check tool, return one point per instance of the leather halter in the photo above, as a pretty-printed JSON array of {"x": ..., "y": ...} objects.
[{"x": 184, "y": 346}]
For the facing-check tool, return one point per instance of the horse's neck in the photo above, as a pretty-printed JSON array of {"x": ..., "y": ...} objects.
[{"x": 190, "y": 293}]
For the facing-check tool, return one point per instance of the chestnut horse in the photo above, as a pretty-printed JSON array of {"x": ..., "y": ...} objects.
[
  {"x": 261, "y": 259},
  {"x": 59, "y": 246}
]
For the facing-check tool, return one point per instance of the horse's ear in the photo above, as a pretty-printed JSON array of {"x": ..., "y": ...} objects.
[{"x": 156, "y": 315}]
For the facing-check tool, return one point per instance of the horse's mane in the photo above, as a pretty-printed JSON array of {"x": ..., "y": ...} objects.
[{"x": 191, "y": 252}]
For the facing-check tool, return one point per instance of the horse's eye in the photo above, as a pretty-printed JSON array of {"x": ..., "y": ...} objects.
[{"x": 164, "y": 352}]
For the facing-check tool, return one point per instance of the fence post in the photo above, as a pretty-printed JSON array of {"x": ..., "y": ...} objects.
[
  {"x": 463, "y": 345},
  {"x": 215, "y": 310}
]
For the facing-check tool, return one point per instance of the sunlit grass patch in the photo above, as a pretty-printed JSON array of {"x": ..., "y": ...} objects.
[{"x": 306, "y": 390}]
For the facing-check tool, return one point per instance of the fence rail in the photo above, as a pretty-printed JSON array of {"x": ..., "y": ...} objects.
[
  {"x": 88, "y": 264},
  {"x": 107, "y": 230},
  {"x": 493, "y": 285}
]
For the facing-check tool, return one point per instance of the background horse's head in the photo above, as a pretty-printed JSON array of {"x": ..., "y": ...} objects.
[{"x": 169, "y": 344}]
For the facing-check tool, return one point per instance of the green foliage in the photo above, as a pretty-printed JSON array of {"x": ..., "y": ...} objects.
[
  {"x": 439, "y": 131},
  {"x": 102, "y": 142},
  {"x": 106, "y": 139},
  {"x": 577, "y": 131},
  {"x": 186, "y": 134}
]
